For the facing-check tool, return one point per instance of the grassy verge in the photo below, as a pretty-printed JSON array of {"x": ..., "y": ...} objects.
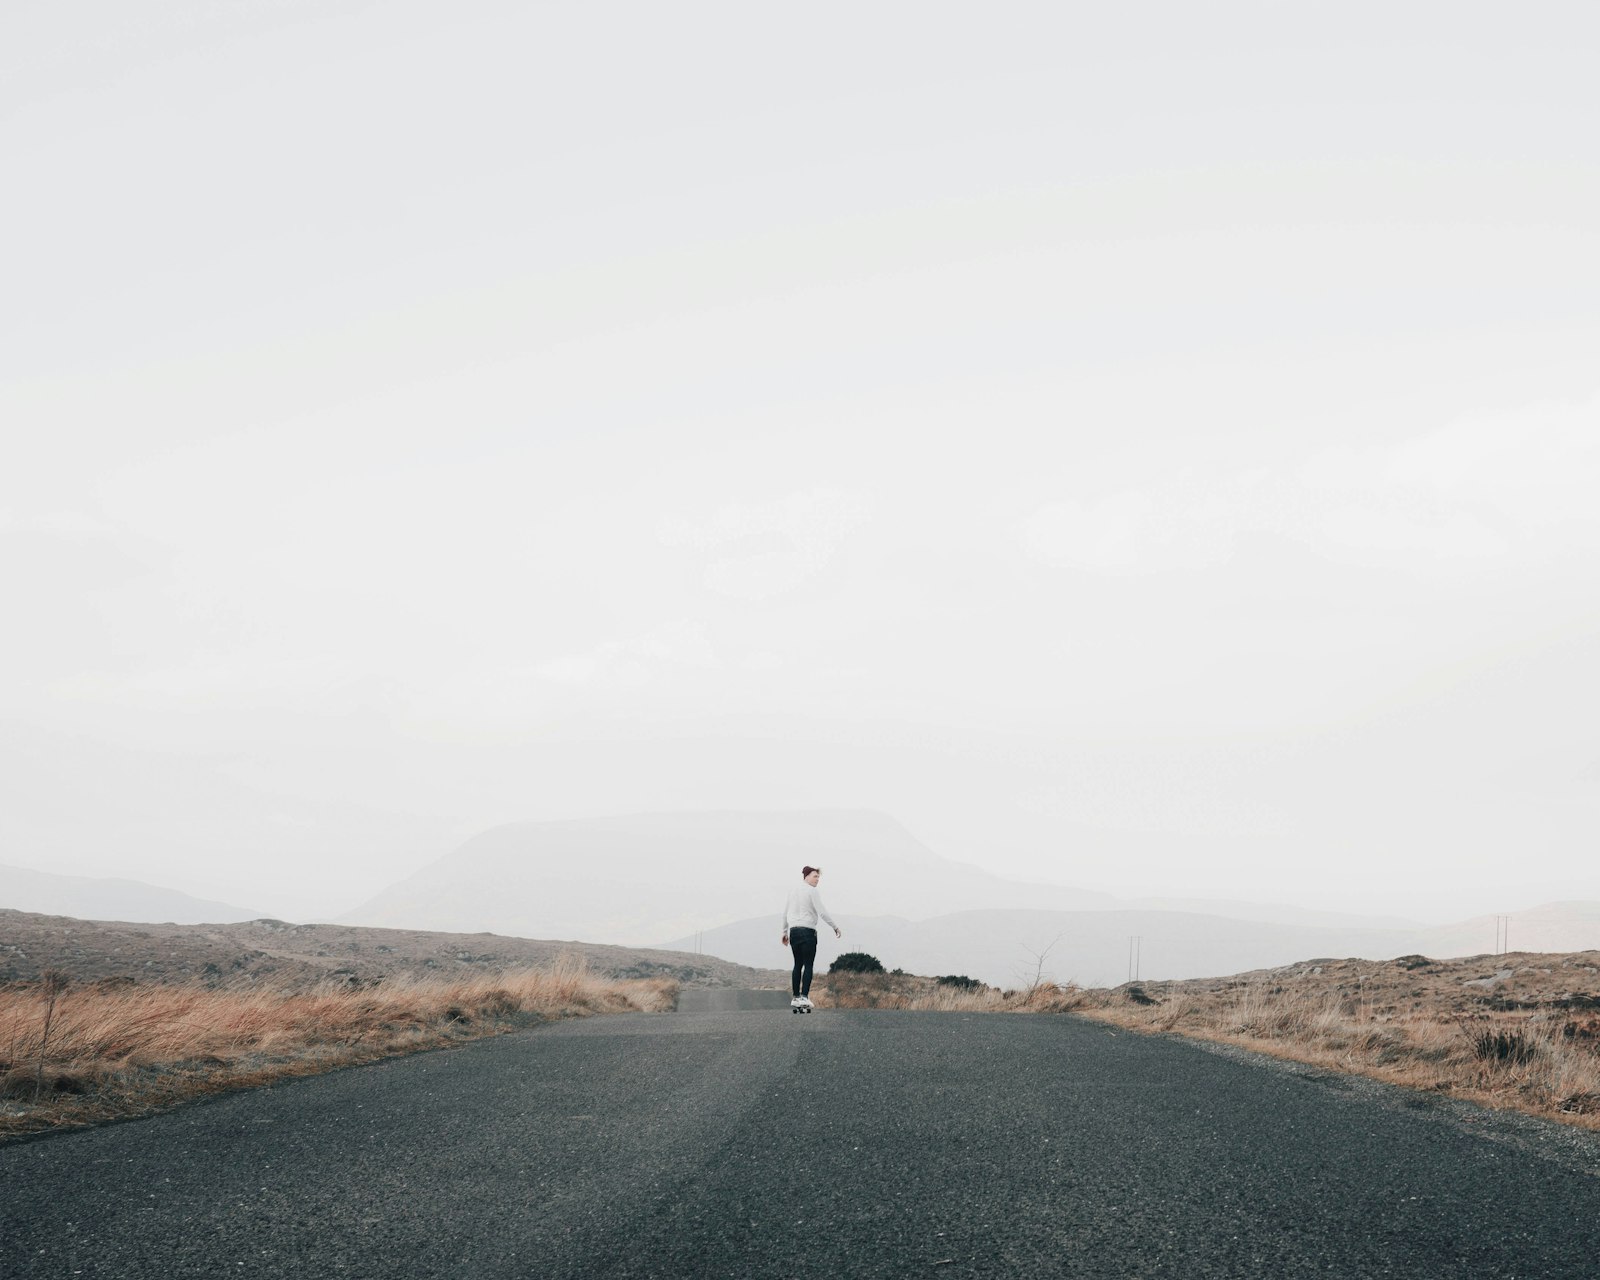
[
  {"x": 1542, "y": 1062},
  {"x": 74, "y": 1055},
  {"x": 1519, "y": 1032}
]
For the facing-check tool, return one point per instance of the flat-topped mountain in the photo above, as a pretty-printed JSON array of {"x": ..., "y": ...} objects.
[{"x": 645, "y": 877}]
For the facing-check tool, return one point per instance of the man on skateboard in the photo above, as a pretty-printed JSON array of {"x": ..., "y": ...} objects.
[{"x": 800, "y": 934}]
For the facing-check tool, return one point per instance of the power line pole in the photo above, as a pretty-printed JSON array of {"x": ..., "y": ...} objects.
[
  {"x": 1135, "y": 945},
  {"x": 1502, "y": 935}
]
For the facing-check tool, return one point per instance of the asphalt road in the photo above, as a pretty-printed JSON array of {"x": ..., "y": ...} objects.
[
  {"x": 727, "y": 999},
  {"x": 755, "y": 1144}
]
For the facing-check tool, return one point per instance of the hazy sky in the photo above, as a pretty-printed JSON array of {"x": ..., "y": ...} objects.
[{"x": 1151, "y": 447}]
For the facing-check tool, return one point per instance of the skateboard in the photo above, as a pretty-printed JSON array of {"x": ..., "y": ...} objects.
[{"x": 800, "y": 1008}]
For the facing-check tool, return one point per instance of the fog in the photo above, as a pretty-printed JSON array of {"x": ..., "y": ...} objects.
[{"x": 1151, "y": 450}]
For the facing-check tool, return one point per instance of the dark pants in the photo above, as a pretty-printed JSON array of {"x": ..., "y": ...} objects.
[{"x": 803, "y": 942}]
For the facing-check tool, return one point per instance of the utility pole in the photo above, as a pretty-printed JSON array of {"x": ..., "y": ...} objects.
[
  {"x": 1135, "y": 945},
  {"x": 1502, "y": 935}
]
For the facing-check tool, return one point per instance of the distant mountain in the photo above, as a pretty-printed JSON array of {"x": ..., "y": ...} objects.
[
  {"x": 1555, "y": 926},
  {"x": 637, "y": 879},
  {"x": 715, "y": 881},
  {"x": 64, "y": 797},
  {"x": 88, "y": 898},
  {"x": 1269, "y": 913},
  {"x": 1094, "y": 948}
]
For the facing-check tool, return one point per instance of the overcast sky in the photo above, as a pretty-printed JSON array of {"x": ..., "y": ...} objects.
[{"x": 1148, "y": 447}]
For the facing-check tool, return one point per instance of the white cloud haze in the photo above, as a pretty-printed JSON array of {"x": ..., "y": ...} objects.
[{"x": 1152, "y": 450}]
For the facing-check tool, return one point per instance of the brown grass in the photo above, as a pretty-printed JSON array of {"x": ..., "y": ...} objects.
[
  {"x": 71, "y": 1055},
  {"x": 1540, "y": 1056},
  {"x": 1520, "y": 1031}
]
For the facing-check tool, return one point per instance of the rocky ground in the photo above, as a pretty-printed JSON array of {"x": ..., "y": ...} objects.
[{"x": 1440, "y": 988}]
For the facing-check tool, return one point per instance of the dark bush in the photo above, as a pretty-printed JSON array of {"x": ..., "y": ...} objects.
[
  {"x": 958, "y": 980},
  {"x": 1491, "y": 1045},
  {"x": 856, "y": 962},
  {"x": 31, "y": 1082}
]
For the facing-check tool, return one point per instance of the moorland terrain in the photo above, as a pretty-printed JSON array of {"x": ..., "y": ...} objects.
[
  {"x": 300, "y": 956},
  {"x": 102, "y": 1018}
]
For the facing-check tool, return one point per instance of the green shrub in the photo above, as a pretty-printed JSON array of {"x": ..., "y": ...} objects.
[
  {"x": 959, "y": 981},
  {"x": 856, "y": 962}
]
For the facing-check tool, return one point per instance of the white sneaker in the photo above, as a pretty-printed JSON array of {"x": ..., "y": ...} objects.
[
  {"x": 806, "y": 1001},
  {"x": 797, "y": 1002}
]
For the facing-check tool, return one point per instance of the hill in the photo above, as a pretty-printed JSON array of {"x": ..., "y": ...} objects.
[
  {"x": 278, "y": 954},
  {"x": 643, "y": 877},
  {"x": 96, "y": 898}
]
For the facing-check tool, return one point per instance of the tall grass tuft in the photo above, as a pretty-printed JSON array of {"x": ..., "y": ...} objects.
[{"x": 1504, "y": 1045}]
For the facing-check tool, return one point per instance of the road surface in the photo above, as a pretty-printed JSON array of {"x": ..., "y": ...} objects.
[{"x": 760, "y": 1144}]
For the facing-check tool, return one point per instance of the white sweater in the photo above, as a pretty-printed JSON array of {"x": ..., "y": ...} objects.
[{"x": 803, "y": 908}]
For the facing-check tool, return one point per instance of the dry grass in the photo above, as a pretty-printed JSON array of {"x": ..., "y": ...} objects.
[
  {"x": 71, "y": 1055},
  {"x": 1520, "y": 1031},
  {"x": 1539, "y": 1055}
]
